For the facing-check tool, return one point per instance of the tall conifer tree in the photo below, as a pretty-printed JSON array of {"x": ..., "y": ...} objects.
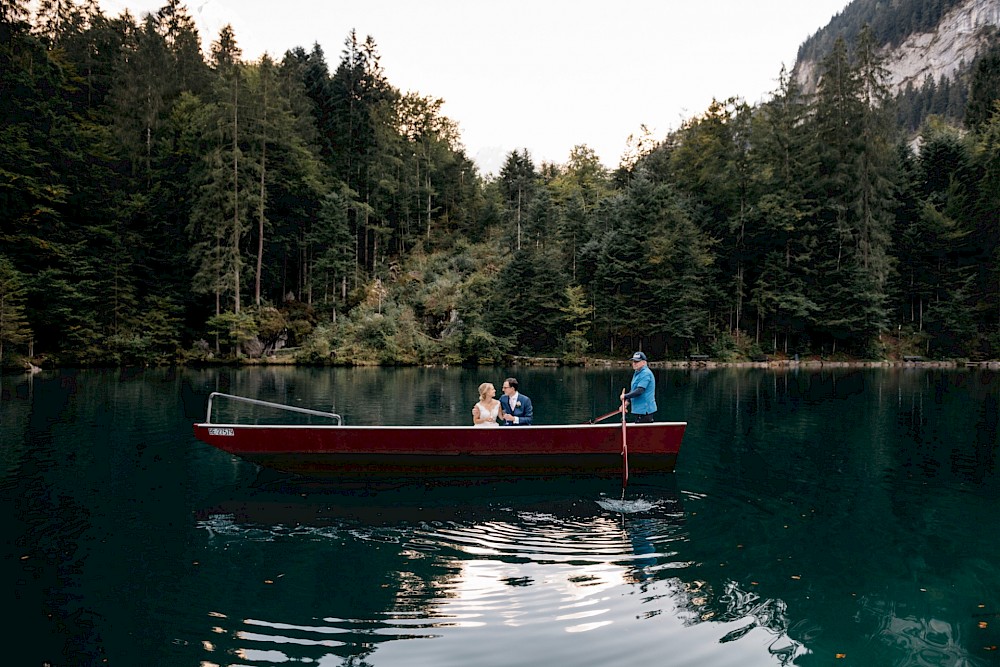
[{"x": 14, "y": 329}]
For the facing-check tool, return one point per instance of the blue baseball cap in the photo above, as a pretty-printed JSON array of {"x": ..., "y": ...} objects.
[{"x": 638, "y": 356}]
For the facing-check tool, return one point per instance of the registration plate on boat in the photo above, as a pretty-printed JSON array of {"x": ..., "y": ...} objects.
[{"x": 221, "y": 431}]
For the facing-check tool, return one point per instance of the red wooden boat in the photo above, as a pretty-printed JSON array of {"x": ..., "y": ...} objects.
[{"x": 358, "y": 451}]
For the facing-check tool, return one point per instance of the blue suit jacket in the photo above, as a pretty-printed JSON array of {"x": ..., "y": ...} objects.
[{"x": 522, "y": 410}]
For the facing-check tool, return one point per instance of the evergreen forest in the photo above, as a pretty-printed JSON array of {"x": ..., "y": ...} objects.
[{"x": 163, "y": 204}]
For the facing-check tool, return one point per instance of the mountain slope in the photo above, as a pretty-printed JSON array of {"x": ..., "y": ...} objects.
[{"x": 921, "y": 39}]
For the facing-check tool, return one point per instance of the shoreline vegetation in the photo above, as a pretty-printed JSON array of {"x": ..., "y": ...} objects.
[{"x": 694, "y": 362}]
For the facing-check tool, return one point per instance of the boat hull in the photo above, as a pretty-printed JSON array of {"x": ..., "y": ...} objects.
[{"x": 441, "y": 451}]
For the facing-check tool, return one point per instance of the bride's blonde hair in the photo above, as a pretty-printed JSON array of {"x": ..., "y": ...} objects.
[{"x": 482, "y": 390}]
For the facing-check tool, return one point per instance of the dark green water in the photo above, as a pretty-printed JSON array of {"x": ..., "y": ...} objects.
[{"x": 838, "y": 517}]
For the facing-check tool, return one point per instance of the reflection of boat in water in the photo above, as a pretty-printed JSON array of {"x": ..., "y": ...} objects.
[
  {"x": 277, "y": 498},
  {"x": 420, "y": 561},
  {"x": 442, "y": 451}
]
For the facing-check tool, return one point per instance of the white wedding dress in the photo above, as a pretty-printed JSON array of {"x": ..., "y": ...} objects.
[{"x": 488, "y": 414}]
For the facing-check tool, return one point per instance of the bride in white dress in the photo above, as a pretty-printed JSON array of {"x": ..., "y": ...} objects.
[{"x": 486, "y": 411}]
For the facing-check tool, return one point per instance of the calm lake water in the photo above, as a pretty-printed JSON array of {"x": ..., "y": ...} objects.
[{"x": 817, "y": 517}]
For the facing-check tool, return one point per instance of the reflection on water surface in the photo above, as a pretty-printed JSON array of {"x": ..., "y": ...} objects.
[{"x": 831, "y": 517}]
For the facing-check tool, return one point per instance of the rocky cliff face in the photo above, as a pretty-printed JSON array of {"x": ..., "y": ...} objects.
[{"x": 959, "y": 37}]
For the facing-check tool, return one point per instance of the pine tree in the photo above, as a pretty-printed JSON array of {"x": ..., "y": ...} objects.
[
  {"x": 987, "y": 212},
  {"x": 188, "y": 70},
  {"x": 854, "y": 190},
  {"x": 14, "y": 329},
  {"x": 55, "y": 20},
  {"x": 518, "y": 182},
  {"x": 576, "y": 318},
  {"x": 615, "y": 284},
  {"x": 782, "y": 234},
  {"x": 140, "y": 96},
  {"x": 261, "y": 84},
  {"x": 540, "y": 328},
  {"x": 710, "y": 162},
  {"x": 357, "y": 104},
  {"x": 334, "y": 250},
  {"x": 427, "y": 149},
  {"x": 984, "y": 88},
  {"x": 13, "y": 15},
  {"x": 578, "y": 191},
  {"x": 95, "y": 51},
  {"x": 874, "y": 198},
  {"x": 228, "y": 152},
  {"x": 673, "y": 294}
]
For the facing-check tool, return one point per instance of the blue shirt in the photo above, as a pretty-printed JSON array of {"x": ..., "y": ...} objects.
[{"x": 645, "y": 403}]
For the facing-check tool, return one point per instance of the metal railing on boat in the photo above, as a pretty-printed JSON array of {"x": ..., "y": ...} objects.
[{"x": 269, "y": 404}]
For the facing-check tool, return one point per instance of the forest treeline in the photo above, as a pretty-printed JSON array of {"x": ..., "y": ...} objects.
[{"x": 159, "y": 205}]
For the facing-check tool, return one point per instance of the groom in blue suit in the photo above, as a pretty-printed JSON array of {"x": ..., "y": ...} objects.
[{"x": 520, "y": 413}]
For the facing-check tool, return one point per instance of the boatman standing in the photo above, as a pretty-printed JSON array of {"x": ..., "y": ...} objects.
[{"x": 641, "y": 398}]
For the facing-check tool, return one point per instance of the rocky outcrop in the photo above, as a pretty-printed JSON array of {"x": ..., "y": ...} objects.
[
  {"x": 962, "y": 33},
  {"x": 959, "y": 37}
]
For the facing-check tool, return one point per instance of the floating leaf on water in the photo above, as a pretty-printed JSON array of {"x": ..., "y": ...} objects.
[
  {"x": 736, "y": 634},
  {"x": 982, "y": 624},
  {"x": 841, "y": 656}
]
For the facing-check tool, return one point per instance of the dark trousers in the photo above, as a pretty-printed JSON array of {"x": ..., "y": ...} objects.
[{"x": 644, "y": 419}]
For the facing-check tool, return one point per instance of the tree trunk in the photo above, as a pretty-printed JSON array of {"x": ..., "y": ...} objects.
[
  {"x": 236, "y": 202},
  {"x": 519, "y": 218},
  {"x": 739, "y": 295},
  {"x": 260, "y": 217},
  {"x": 428, "y": 177},
  {"x": 236, "y": 208},
  {"x": 308, "y": 278},
  {"x": 218, "y": 309}
]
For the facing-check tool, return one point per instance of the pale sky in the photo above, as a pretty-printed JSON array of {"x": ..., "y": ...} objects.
[{"x": 540, "y": 74}]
